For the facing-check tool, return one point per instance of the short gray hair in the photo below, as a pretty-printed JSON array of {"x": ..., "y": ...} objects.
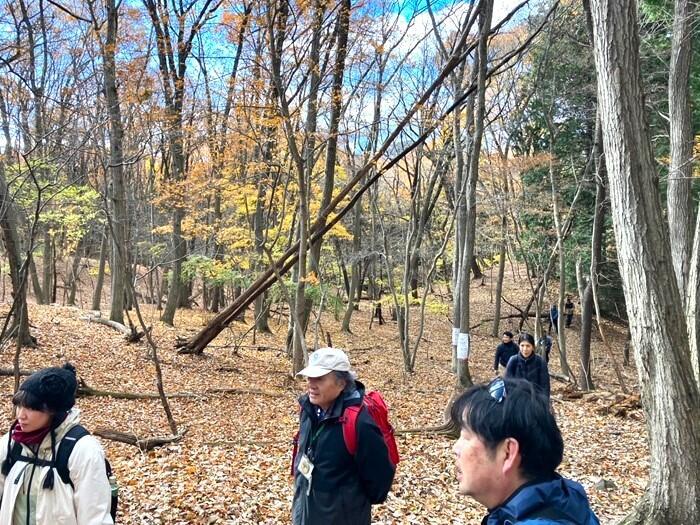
[{"x": 348, "y": 378}]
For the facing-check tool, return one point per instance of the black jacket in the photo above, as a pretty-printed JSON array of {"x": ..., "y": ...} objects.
[
  {"x": 343, "y": 487},
  {"x": 534, "y": 369},
  {"x": 504, "y": 352}
]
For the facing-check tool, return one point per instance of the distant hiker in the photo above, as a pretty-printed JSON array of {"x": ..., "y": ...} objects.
[
  {"x": 33, "y": 487},
  {"x": 507, "y": 455},
  {"x": 504, "y": 351},
  {"x": 553, "y": 318},
  {"x": 331, "y": 484},
  {"x": 569, "y": 310},
  {"x": 545, "y": 346},
  {"x": 528, "y": 365}
]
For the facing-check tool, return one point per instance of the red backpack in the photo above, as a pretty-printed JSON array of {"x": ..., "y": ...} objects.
[{"x": 379, "y": 412}]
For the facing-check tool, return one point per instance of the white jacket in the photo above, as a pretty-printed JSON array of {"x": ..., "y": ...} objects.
[{"x": 89, "y": 504}]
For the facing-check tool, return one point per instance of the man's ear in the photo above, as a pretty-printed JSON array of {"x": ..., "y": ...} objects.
[{"x": 511, "y": 455}]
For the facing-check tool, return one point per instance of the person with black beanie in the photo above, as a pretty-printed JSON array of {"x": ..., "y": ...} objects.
[{"x": 33, "y": 491}]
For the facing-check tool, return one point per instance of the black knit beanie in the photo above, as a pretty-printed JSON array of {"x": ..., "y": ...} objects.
[{"x": 53, "y": 388}]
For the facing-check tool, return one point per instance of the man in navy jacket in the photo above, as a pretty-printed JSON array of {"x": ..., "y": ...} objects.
[{"x": 507, "y": 455}]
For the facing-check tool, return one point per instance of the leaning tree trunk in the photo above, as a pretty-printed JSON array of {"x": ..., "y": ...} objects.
[
  {"x": 680, "y": 174},
  {"x": 669, "y": 392}
]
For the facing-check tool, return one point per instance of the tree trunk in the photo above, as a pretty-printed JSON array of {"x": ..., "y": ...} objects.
[
  {"x": 8, "y": 225},
  {"x": 499, "y": 283},
  {"x": 97, "y": 295},
  {"x": 587, "y": 299},
  {"x": 74, "y": 272},
  {"x": 47, "y": 266},
  {"x": 355, "y": 266},
  {"x": 463, "y": 374},
  {"x": 657, "y": 320},
  {"x": 117, "y": 190},
  {"x": 679, "y": 195}
]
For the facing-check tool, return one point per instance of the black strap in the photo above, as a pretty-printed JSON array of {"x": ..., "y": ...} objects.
[{"x": 65, "y": 448}]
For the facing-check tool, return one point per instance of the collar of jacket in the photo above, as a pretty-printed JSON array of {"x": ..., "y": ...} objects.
[
  {"x": 566, "y": 495},
  {"x": 72, "y": 419}
]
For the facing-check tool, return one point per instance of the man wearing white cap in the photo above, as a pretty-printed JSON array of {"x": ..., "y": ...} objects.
[{"x": 332, "y": 486}]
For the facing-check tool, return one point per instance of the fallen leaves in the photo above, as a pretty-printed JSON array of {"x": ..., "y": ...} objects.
[{"x": 232, "y": 466}]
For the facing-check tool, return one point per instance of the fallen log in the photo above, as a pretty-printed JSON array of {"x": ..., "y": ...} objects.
[
  {"x": 9, "y": 372},
  {"x": 144, "y": 444},
  {"x": 446, "y": 429},
  {"x": 131, "y": 334},
  {"x": 87, "y": 391}
]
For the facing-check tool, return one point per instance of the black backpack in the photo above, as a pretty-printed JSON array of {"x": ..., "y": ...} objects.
[{"x": 65, "y": 448}]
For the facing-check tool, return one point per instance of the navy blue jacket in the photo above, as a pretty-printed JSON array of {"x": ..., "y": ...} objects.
[
  {"x": 343, "y": 487},
  {"x": 504, "y": 352},
  {"x": 557, "y": 501},
  {"x": 534, "y": 369}
]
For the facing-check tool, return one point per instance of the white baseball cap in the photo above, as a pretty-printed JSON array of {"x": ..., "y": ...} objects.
[{"x": 325, "y": 360}]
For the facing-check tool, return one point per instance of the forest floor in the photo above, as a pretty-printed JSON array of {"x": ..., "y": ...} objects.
[{"x": 232, "y": 466}]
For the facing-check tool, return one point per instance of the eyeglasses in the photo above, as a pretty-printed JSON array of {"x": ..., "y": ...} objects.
[{"x": 497, "y": 389}]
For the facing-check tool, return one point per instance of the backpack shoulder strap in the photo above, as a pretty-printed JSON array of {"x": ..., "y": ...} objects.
[
  {"x": 65, "y": 448},
  {"x": 349, "y": 422},
  {"x": 15, "y": 452}
]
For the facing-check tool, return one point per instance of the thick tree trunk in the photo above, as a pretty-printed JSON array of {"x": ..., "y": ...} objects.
[
  {"x": 669, "y": 392},
  {"x": 174, "y": 276},
  {"x": 117, "y": 193},
  {"x": 679, "y": 195}
]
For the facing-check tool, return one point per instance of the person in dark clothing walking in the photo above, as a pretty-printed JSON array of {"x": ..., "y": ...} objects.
[
  {"x": 331, "y": 486},
  {"x": 545, "y": 344},
  {"x": 507, "y": 454},
  {"x": 504, "y": 351},
  {"x": 553, "y": 318},
  {"x": 569, "y": 311},
  {"x": 528, "y": 365}
]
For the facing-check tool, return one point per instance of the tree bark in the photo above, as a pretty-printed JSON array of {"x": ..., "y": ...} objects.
[
  {"x": 669, "y": 391},
  {"x": 501, "y": 274},
  {"x": 679, "y": 195},
  {"x": 97, "y": 295},
  {"x": 467, "y": 255},
  {"x": 117, "y": 186}
]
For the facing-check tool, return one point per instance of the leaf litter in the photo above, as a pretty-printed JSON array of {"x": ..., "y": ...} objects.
[{"x": 232, "y": 466}]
